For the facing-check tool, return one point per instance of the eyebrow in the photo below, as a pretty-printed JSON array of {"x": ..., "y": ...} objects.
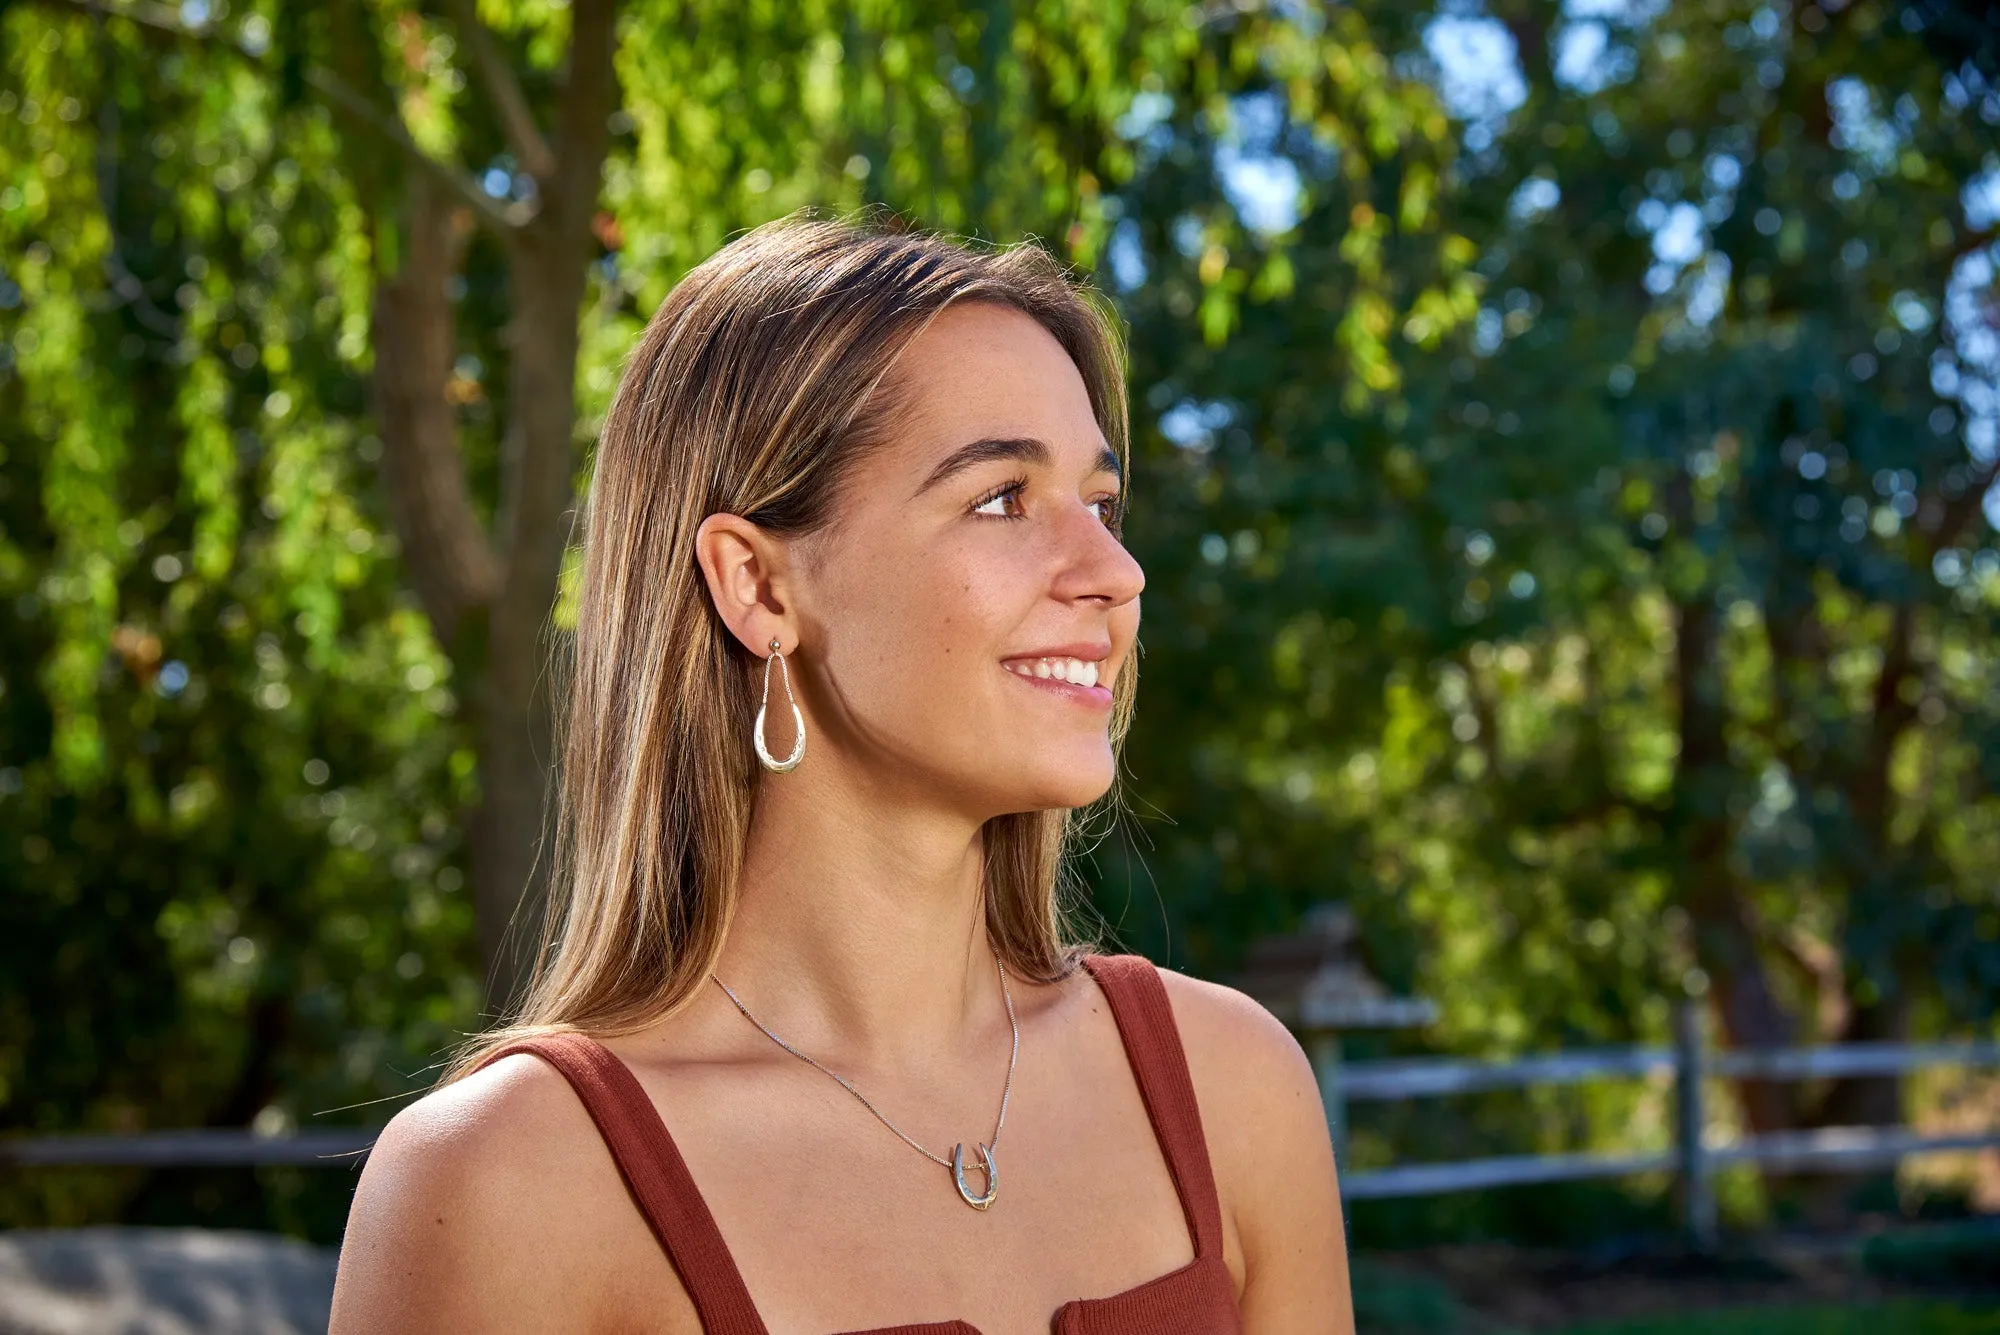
[{"x": 1026, "y": 449}]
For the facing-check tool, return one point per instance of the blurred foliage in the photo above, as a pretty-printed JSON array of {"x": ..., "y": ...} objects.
[
  {"x": 237, "y": 765},
  {"x": 1389, "y": 1302},
  {"x": 1641, "y": 639},
  {"x": 1966, "y": 1254},
  {"x": 1544, "y": 461},
  {"x": 1906, "y": 1318},
  {"x": 229, "y": 807}
]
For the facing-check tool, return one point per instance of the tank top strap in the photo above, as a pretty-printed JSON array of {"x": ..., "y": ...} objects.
[
  {"x": 656, "y": 1175},
  {"x": 1153, "y": 1046}
]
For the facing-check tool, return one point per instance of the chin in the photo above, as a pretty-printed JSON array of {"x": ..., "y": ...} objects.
[{"x": 1077, "y": 787}]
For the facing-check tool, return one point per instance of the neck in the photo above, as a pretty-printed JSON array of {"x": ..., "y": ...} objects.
[{"x": 859, "y": 924}]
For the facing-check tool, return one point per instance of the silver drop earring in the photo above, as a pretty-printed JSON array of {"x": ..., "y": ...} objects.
[{"x": 771, "y": 762}]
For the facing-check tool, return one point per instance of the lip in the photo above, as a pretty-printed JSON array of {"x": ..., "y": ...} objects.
[
  {"x": 1094, "y": 697},
  {"x": 1090, "y": 651}
]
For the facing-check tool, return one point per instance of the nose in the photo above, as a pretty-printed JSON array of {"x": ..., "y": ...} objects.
[{"x": 1097, "y": 569}]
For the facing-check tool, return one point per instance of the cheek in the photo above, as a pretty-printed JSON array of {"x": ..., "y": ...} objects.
[
  {"x": 921, "y": 623},
  {"x": 978, "y": 593}
]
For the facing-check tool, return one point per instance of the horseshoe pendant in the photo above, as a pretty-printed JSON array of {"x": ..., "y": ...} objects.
[{"x": 992, "y": 1176}]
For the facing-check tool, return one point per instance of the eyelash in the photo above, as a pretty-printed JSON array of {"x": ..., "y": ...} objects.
[
  {"x": 1115, "y": 521},
  {"x": 1010, "y": 488}
]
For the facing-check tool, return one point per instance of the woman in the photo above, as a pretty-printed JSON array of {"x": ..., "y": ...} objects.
[{"x": 854, "y": 643}]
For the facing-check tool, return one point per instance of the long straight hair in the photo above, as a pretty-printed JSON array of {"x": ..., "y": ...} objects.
[{"x": 757, "y": 384}]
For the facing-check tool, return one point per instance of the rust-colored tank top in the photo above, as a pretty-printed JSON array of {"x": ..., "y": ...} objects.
[{"x": 1198, "y": 1297}]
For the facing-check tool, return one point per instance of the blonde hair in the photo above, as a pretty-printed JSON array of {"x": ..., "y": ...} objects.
[{"x": 752, "y": 392}]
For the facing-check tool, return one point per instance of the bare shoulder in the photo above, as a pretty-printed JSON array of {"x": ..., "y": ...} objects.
[
  {"x": 1231, "y": 1028},
  {"x": 468, "y": 1205},
  {"x": 1248, "y": 1071},
  {"x": 1267, "y": 1138}
]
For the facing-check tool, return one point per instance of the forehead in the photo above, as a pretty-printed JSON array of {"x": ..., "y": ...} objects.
[{"x": 982, "y": 370}]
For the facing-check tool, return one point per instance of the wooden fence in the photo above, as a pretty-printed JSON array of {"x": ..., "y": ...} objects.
[
  {"x": 1694, "y": 1156},
  {"x": 1691, "y": 1064}
]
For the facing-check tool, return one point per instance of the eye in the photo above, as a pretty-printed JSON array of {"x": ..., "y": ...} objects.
[
  {"x": 1109, "y": 511},
  {"x": 1007, "y": 500}
]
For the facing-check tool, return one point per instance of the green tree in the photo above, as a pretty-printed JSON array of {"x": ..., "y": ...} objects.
[
  {"x": 229, "y": 812},
  {"x": 310, "y": 313},
  {"x": 1642, "y": 639}
]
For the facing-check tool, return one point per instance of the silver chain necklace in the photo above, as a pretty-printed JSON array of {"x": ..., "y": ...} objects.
[{"x": 957, "y": 1160}]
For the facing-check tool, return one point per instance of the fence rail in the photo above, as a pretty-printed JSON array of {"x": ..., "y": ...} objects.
[
  {"x": 1514, "y": 1170},
  {"x": 217, "y": 1147},
  {"x": 1846, "y": 1059},
  {"x": 1434, "y": 1077},
  {"x": 1689, "y": 1063},
  {"x": 1431, "y": 1077}
]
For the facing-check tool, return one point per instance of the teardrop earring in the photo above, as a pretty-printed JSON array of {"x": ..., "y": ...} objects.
[{"x": 770, "y": 762}]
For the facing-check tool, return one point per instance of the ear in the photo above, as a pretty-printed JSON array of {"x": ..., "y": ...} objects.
[{"x": 749, "y": 578}]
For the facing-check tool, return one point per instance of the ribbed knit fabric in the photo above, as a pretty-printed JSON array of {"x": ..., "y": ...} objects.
[{"x": 1199, "y": 1298}]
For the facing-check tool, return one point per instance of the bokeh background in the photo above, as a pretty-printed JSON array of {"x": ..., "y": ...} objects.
[{"x": 1564, "y": 447}]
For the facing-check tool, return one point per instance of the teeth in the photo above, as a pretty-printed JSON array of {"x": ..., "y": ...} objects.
[{"x": 1073, "y": 670}]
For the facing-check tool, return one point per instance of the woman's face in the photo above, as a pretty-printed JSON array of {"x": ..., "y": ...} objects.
[{"x": 966, "y": 612}]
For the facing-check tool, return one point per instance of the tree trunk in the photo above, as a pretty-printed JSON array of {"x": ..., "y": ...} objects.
[
  {"x": 1725, "y": 941},
  {"x": 489, "y": 599},
  {"x": 548, "y": 264},
  {"x": 510, "y": 868},
  {"x": 446, "y": 556},
  {"x": 1873, "y": 866}
]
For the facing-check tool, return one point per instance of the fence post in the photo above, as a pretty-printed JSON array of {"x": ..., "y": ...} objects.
[
  {"x": 1323, "y": 1047},
  {"x": 1697, "y": 1182}
]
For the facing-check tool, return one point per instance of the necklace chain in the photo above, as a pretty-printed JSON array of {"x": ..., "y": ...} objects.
[{"x": 1005, "y": 1093}]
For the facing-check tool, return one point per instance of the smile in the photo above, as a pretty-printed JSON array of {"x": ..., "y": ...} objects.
[
  {"x": 1075, "y": 671},
  {"x": 1079, "y": 680}
]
